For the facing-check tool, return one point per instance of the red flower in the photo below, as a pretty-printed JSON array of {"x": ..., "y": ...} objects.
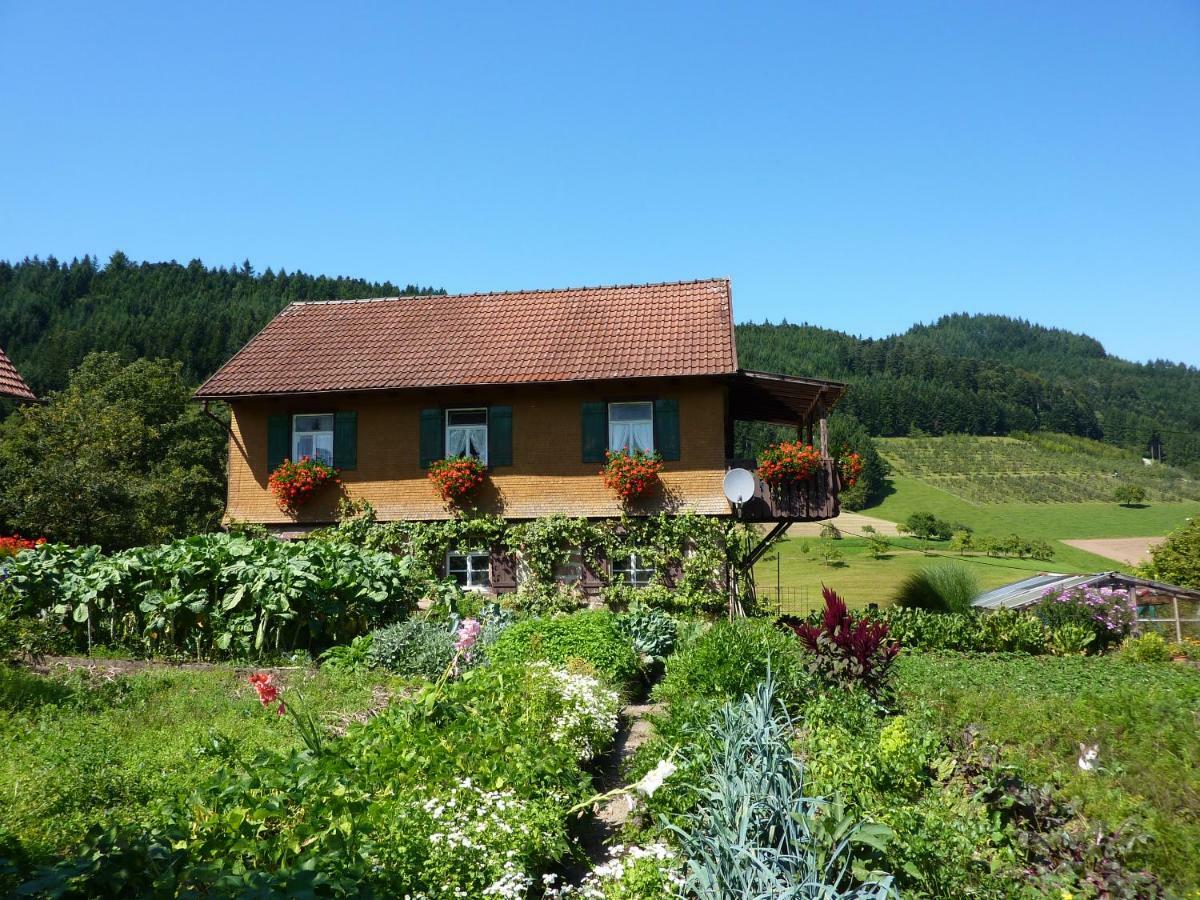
[
  {"x": 631, "y": 475},
  {"x": 455, "y": 478},
  {"x": 294, "y": 484},
  {"x": 788, "y": 461},
  {"x": 268, "y": 691}
]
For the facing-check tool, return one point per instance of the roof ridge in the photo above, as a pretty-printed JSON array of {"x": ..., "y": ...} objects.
[{"x": 525, "y": 292}]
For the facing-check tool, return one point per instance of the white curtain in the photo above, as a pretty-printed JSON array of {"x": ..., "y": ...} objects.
[
  {"x": 464, "y": 441},
  {"x": 631, "y": 436}
]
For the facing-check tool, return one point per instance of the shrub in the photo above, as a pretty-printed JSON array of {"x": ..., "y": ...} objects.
[
  {"x": 413, "y": 647},
  {"x": 1012, "y": 631},
  {"x": 1146, "y": 648},
  {"x": 928, "y": 527},
  {"x": 1071, "y": 639},
  {"x": 214, "y": 594},
  {"x": 538, "y": 598},
  {"x": 1109, "y": 612},
  {"x": 945, "y": 588},
  {"x": 730, "y": 659},
  {"x": 845, "y": 651},
  {"x": 652, "y": 631},
  {"x": 1177, "y": 559},
  {"x": 586, "y": 717},
  {"x": 590, "y": 635}
]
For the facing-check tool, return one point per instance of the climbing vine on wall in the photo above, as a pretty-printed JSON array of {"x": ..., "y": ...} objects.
[{"x": 687, "y": 550}]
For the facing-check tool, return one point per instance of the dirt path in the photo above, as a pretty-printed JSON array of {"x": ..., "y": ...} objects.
[
  {"x": 1130, "y": 551},
  {"x": 596, "y": 831},
  {"x": 847, "y": 522}
]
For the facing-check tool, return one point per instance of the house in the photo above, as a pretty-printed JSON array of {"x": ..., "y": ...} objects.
[
  {"x": 538, "y": 385},
  {"x": 12, "y": 385},
  {"x": 1170, "y": 609}
]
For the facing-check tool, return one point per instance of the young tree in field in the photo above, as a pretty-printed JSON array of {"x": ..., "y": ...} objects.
[
  {"x": 121, "y": 456},
  {"x": 962, "y": 541},
  {"x": 1130, "y": 495},
  {"x": 877, "y": 542}
]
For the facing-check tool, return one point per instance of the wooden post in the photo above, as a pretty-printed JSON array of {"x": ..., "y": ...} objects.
[
  {"x": 1137, "y": 622},
  {"x": 824, "y": 430}
]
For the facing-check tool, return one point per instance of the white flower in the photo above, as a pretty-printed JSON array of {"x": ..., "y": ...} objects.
[{"x": 653, "y": 780}]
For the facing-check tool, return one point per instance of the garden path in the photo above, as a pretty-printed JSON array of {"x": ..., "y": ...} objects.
[{"x": 595, "y": 832}]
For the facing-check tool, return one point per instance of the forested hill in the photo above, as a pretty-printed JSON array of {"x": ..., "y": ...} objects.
[
  {"x": 991, "y": 375},
  {"x": 966, "y": 374},
  {"x": 52, "y": 314}
]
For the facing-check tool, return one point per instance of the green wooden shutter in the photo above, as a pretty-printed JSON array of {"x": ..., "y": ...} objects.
[
  {"x": 279, "y": 440},
  {"x": 345, "y": 439},
  {"x": 595, "y": 432},
  {"x": 433, "y": 436},
  {"x": 666, "y": 427},
  {"x": 500, "y": 436}
]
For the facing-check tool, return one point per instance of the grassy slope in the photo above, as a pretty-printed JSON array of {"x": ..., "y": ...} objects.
[
  {"x": 865, "y": 580},
  {"x": 81, "y": 751},
  {"x": 1145, "y": 718}
]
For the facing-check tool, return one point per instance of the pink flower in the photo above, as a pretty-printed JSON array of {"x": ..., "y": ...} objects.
[
  {"x": 268, "y": 691},
  {"x": 468, "y": 634}
]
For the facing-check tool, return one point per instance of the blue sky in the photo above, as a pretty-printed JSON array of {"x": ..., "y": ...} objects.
[{"x": 860, "y": 166}]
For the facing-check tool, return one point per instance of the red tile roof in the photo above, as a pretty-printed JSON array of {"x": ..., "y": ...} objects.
[
  {"x": 574, "y": 334},
  {"x": 11, "y": 382}
]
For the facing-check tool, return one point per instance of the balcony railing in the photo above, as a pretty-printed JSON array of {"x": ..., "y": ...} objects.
[{"x": 812, "y": 499}]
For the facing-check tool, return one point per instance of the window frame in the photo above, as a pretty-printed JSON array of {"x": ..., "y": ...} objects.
[
  {"x": 572, "y": 571},
  {"x": 609, "y": 415},
  {"x": 332, "y": 432},
  {"x": 637, "y": 566},
  {"x": 471, "y": 571},
  {"x": 446, "y": 426}
]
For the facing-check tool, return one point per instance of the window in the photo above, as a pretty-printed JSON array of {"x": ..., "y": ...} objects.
[
  {"x": 571, "y": 571},
  {"x": 467, "y": 433},
  {"x": 469, "y": 570},
  {"x": 312, "y": 436},
  {"x": 633, "y": 570},
  {"x": 631, "y": 427}
]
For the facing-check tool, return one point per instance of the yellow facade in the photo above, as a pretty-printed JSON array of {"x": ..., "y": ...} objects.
[{"x": 547, "y": 476}]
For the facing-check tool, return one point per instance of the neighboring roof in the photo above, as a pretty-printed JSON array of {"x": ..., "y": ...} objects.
[
  {"x": 574, "y": 334},
  {"x": 11, "y": 382},
  {"x": 782, "y": 399},
  {"x": 1030, "y": 590}
]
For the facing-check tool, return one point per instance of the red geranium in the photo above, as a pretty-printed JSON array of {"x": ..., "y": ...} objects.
[
  {"x": 294, "y": 483},
  {"x": 455, "y": 478},
  {"x": 850, "y": 467},
  {"x": 788, "y": 461},
  {"x": 14, "y": 544},
  {"x": 631, "y": 475}
]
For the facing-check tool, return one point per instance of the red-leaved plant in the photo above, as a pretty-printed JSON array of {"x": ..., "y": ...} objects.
[
  {"x": 847, "y": 651},
  {"x": 294, "y": 483},
  {"x": 456, "y": 478},
  {"x": 850, "y": 468},
  {"x": 14, "y": 544},
  {"x": 631, "y": 475},
  {"x": 787, "y": 462}
]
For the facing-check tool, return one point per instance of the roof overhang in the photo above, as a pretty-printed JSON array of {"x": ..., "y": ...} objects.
[{"x": 780, "y": 399}]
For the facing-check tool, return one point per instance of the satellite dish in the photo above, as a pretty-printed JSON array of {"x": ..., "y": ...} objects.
[{"x": 739, "y": 486}]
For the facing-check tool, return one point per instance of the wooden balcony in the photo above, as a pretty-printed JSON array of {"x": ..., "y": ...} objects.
[{"x": 811, "y": 500}]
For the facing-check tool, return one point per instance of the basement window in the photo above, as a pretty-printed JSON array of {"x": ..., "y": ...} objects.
[
  {"x": 470, "y": 570},
  {"x": 633, "y": 570},
  {"x": 312, "y": 437}
]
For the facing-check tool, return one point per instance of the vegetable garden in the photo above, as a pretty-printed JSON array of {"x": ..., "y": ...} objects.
[{"x": 358, "y": 727}]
